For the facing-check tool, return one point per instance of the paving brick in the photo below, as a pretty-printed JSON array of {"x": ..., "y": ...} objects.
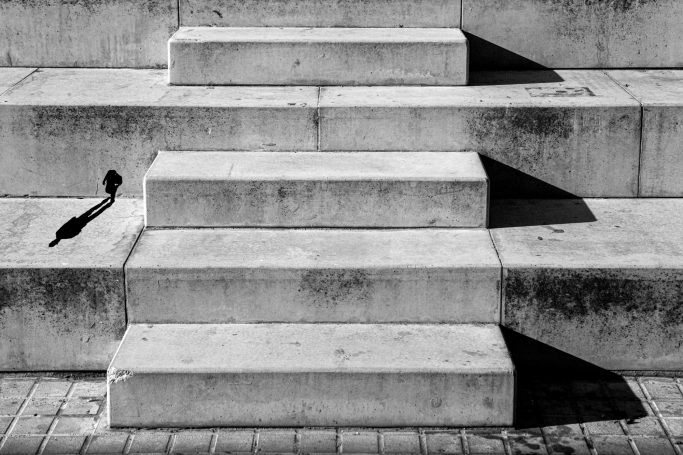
[
  {"x": 612, "y": 445},
  {"x": 485, "y": 443},
  {"x": 45, "y": 405},
  {"x": 675, "y": 424},
  {"x": 5, "y": 423},
  {"x": 15, "y": 388},
  {"x": 646, "y": 426},
  {"x": 64, "y": 444},
  {"x": 273, "y": 441},
  {"x": 318, "y": 441},
  {"x": 150, "y": 442},
  {"x": 32, "y": 425},
  {"x": 605, "y": 427},
  {"x": 52, "y": 388},
  {"x": 662, "y": 389},
  {"x": 192, "y": 441},
  {"x": 10, "y": 406},
  {"x": 401, "y": 442},
  {"x": 654, "y": 446},
  {"x": 627, "y": 388},
  {"x": 444, "y": 442},
  {"x": 91, "y": 389},
  {"x": 527, "y": 443},
  {"x": 359, "y": 441},
  {"x": 108, "y": 443},
  {"x": 21, "y": 445},
  {"x": 234, "y": 441},
  {"x": 670, "y": 408},
  {"x": 83, "y": 405}
]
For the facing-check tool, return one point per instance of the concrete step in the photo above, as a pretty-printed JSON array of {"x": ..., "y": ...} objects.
[
  {"x": 578, "y": 131},
  {"x": 307, "y": 275},
  {"x": 316, "y": 189},
  {"x": 311, "y": 375},
  {"x": 320, "y": 13},
  {"x": 62, "y": 295},
  {"x": 317, "y": 56},
  {"x": 600, "y": 279}
]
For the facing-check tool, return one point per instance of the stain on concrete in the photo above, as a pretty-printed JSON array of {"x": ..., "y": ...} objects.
[{"x": 331, "y": 287}]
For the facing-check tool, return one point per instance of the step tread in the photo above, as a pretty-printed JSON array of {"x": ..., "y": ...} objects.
[
  {"x": 317, "y": 34},
  {"x": 344, "y": 166},
  {"x": 313, "y": 348},
  {"x": 269, "y": 249}
]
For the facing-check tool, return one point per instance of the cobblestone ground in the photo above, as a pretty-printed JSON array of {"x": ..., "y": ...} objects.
[{"x": 632, "y": 415}]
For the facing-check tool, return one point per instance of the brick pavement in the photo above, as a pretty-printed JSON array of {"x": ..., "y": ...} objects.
[{"x": 62, "y": 413}]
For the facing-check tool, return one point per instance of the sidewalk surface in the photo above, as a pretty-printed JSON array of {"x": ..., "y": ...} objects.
[{"x": 63, "y": 413}]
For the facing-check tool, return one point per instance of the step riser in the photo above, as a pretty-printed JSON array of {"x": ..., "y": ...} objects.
[
  {"x": 352, "y": 295},
  {"x": 304, "y": 62},
  {"x": 285, "y": 400},
  {"x": 316, "y": 13},
  {"x": 366, "y": 204}
]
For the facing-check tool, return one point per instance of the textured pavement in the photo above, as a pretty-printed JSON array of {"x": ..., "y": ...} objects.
[{"x": 608, "y": 415}]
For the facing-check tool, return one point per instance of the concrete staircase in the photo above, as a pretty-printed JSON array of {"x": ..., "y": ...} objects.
[{"x": 302, "y": 288}]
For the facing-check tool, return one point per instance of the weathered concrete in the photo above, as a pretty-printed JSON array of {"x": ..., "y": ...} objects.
[
  {"x": 317, "y": 56},
  {"x": 609, "y": 291},
  {"x": 86, "y": 33},
  {"x": 62, "y": 129},
  {"x": 317, "y": 13},
  {"x": 63, "y": 308},
  {"x": 11, "y": 76},
  {"x": 329, "y": 275},
  {"x": 580, "y": 134},
  {"x": 574, "y": 33},
  {"x": 311, "y": 374},
  {"x": 661, "y": 162},
  {"x": 316, "y": 189}
]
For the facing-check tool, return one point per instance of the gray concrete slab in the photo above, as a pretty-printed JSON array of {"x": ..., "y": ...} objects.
[
  {"x": 316, "y": 13},
  {"x": 101, "y": 33},
  {"x": 11, "y": 76},
  {"x": 316, "y": 189},
  {"x": 578, "y": 131},
  {"x": 311, "y": 374},
  {"x": 601, "y": 279},
  {"x": 317, "y": 56},
  {"x": 63, "y": 307},
  {"x": 309, "y": 275},
  {"x": 574, "y": 34},
  {"x": 661, "y": 94},
  {"x": 62, "y": 129}
]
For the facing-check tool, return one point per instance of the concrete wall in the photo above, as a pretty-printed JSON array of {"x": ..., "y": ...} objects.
[
  {"x": 86, "y": 33},
  {"x": 520, "y": 34}
]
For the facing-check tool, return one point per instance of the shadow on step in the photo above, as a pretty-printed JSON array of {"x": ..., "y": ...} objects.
[
  {"x": 556, "y": 388},
  {"x": 487, "y": 56},
  {"x": 75, "y": 225}
]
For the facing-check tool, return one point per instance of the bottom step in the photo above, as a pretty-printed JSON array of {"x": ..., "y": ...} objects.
[{"x": 206, "y": 375}]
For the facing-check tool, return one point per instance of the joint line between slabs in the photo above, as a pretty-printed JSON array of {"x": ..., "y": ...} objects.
[
  {"x": 660, "y": 417},
  {"x": 23, "y": 406},
  {"x": 55, "y": 420}
]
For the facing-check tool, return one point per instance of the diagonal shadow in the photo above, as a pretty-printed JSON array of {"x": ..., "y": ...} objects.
[
  {"x": 487, "y": 56},
  {"x": 75, "y": 225},
  {"x": 556, "y": 388}
]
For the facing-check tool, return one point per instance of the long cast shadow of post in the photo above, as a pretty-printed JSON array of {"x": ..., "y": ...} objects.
[
  {"x": 556, "y": 388},
  {"x": 75, "y": 225}
]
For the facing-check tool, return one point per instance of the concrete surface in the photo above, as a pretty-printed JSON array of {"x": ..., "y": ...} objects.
[
  {"x": 661, "y": 162},
  {"x": 317, "y": 56},
  {"x": 316, "y": 13},
  {"x": 11, "y": 76},
  {"x": 86, "y": 33},
  {"x": 574, "y": 130},
  {"x": 63, "y": 307},
  {"x": 62, "y": 129},
  {"x": 310, "y": 374},
  {"x": 316, "y": 189},
  {"x": 305, "y": 275},
  {"x": 600, "y": 279},
  {"x": 574, "y": 33},
  {"x": 75, "y": 408}
]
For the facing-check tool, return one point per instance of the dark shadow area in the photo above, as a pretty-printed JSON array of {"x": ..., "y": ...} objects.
[
  {"x": 75, "y": 225},
  {"x": 487, "y": 56},
  {"x": 556, "y": 388},
  {"x": 510, "y": 183}
]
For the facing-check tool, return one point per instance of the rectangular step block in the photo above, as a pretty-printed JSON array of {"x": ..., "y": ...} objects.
[
  {"x": 311, "y": 375},
  {"x": 317, "y": 56},
  {"x": 308, "y": 275},
  {"x": 310, "y": 189}
]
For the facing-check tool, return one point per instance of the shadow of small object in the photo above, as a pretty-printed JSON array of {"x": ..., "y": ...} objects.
[
  {"x": 556, "y": 388},
  {"x": 75, "y": 225},
  {"x": 487, "y": 56}
]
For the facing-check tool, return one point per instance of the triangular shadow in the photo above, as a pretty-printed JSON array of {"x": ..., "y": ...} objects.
[
  {"x": 556, "y": 388},
  {"x": 487, "y": 56}
]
